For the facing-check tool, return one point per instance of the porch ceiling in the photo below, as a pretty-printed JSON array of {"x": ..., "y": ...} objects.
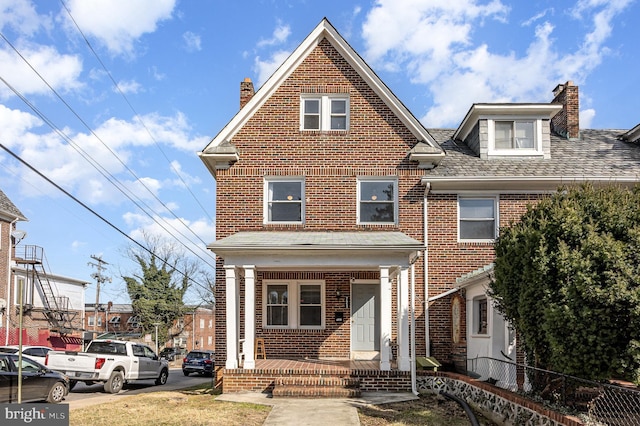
[{"x": 335, "y": 250}]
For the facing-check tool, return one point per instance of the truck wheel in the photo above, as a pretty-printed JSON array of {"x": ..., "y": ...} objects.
[
  {"x": 162, "y": 378},
  {"x": 56, "y": 393},
  {"x": 115, "y": 382}
]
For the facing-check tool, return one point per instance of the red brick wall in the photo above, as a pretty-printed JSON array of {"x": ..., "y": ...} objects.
[{"x": 271, "y": 144}]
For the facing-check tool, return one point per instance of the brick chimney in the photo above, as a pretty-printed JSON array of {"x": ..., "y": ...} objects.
[
  {"x": 246, "y": 91},
  {"x": 566, "y": 123}
]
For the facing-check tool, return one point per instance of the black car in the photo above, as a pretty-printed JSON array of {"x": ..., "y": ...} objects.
[
  {"x": 38, "y": 382},
  {"x": 169, "y": 354},
  {"x": 198, "y": 362}
]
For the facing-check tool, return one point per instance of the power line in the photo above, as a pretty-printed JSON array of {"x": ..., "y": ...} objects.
[
  {"x": 134, "y": 110},
  {"x": 101, "y": 141},
  {"x": 65, "y": 192},
  {"x": 100, "y": 169}
]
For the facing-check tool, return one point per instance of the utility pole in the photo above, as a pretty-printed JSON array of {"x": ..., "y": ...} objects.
[{"x": 99, "y": 280}]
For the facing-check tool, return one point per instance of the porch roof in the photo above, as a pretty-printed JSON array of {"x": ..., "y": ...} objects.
[
  {"x": 256, "y": 240},
  {"x": 307, "y": 249}
]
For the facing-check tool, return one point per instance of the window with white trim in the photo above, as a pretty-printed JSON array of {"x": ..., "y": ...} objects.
[
  {"x": 515, "y": 137},
  {"x": 293, "y": 304},
  {"x": 324, "y": 112},
  {"x": 377, "y": 201},
  {"x": 284, "y": 200},
  {"x": 477, "y": 218}
]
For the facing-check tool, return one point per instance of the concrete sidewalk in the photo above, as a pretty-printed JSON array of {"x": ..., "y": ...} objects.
[{"x": 318, "y": 411}]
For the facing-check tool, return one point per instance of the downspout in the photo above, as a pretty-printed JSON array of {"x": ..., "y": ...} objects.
[
  {"x": 8, "y": 308},
  {"x": 426, "y": 269},
  {"x": 414, "y": 387}
]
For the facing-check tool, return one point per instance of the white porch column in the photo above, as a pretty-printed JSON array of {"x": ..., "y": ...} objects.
[
  {"x": 231, "y": 316},
  {"x": 385, "y": 319},
  {"x": 249, "y": 316},
  {"x": 404, "y": 360}
]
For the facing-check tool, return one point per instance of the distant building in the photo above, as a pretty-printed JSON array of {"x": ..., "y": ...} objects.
[
  {"x": 52, "y": 305},
  {"x": 119, "y": 321}
]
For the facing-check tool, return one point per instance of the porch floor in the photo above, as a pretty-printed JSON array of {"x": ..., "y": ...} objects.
[{"x": 326, "y": 366}]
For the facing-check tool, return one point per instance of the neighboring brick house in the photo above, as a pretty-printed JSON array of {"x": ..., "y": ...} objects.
[
  {"x": 53, "y": 305},
  {"x": 119, "y": 321},
  {"x": 347, "y": 230}
]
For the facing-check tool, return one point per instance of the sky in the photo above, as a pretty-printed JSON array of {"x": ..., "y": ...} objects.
[{"x": 110, "y": 100}]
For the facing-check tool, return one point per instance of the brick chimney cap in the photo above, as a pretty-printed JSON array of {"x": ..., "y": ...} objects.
[
  {"x": 560, "y": 87},
  {"x": 247, "y": 80}
]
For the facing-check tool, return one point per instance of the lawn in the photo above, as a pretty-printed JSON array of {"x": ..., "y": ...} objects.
[{"x": 198, "y": 407}]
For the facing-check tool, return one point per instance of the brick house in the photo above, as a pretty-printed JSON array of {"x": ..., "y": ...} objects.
[
  {"x": 345, "y": 230},
  {"x": 52, "y": 305},
  {"x": 195, "y": 330}
]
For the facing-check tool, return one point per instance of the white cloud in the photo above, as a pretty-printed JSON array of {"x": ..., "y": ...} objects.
[
  {"x": 586, "y": 117},
  {"x": 118, "y": 25},
  {"x": 62, "y": 72},
  {"x": 21, "y": 16},
  {"x": 264, "y": 68},
  {"x": 57, "y": 159},
  {"x": 279, "y": 36},
  {"x": 130, "y": 86},
  {"x": 433, "y": 42},
  {"x": 192, "y": 41}
]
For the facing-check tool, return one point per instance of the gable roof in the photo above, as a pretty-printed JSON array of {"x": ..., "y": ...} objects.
[
  {"x": 220, "y": 145},
  {"x": 8, "y": 209},
  {"x": 598, "y": 157}
]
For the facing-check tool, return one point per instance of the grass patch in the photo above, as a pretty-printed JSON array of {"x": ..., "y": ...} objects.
[{"x": 195, "y": 406}]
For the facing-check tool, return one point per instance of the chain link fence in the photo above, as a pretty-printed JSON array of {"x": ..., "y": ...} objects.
[{"x": 595, "y": 403}]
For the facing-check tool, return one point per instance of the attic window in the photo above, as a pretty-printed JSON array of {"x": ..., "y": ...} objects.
[
  {"x": 514, "y": 137},
  {"x": 324, "y": 112}
]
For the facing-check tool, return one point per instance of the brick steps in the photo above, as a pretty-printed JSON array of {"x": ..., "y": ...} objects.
[{"x": 316, "y": 386}]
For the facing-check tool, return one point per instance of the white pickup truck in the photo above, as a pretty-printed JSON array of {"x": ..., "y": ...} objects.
[{"x": 112, "y": 362}]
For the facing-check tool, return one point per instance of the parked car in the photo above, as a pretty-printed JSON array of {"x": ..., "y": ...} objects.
[
  {"x": 36, "y": 353},
  {"x": 200, "y": 361},
  {"x": 38, "y": 382},
  {"x": 170, "y": 354},
  {"x": 111, "y": 362}
]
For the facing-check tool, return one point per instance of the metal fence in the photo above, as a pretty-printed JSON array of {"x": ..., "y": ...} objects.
[{"x": 594, "y": 402}]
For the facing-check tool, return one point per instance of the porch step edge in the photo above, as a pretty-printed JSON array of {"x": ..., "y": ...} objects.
[
  {"x": 307, "y": 381},
  {"x": 313, "y": 391}
]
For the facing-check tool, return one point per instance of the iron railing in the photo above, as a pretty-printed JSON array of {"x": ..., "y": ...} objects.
[{"x": 594, "y": 402}]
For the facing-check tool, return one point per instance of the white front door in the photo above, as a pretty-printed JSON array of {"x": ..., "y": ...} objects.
[{"x": 365, "y": 314}]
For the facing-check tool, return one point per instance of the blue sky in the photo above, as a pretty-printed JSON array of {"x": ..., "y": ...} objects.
[{"x": 178, "y": 67}]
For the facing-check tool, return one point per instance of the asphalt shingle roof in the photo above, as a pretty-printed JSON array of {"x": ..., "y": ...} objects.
[
  {"x": 285, "y": 239},
  {"x": 8, "y": 208},
  {"x": 596, "y": 153}
]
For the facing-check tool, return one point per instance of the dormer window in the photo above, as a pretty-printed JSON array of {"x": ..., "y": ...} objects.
[
  {"x": 324, "y": 113},
  {"x": 514, "y": 137}
]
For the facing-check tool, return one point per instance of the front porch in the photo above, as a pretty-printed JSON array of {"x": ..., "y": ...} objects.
[{"x": 314, "y": 378}]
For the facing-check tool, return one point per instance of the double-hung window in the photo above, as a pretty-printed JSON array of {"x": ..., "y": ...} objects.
[
  {"x": 324, "y": 112},
  {"x": 477, "y": 218},
  {"x": 284, "y": 200},
  {"x": 480, "y": 316},
  {"x": 377, "y": 201},
  {"x": 293, "y": 304}
]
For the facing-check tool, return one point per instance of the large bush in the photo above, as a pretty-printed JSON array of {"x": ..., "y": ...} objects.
[{"x": 567, "y": 276}]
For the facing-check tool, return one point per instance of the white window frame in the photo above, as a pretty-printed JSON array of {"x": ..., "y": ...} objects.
[
  {"x": 496, "y": 223},
  {"x": 293, "y": 304},
  {"x": 325, "y": 112},
  {"x": 267, "y": 198},
  {"x": 393, "y": 180},
  {"x": 91, "y": 320},
  {"x": 537, "y": 137}
]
